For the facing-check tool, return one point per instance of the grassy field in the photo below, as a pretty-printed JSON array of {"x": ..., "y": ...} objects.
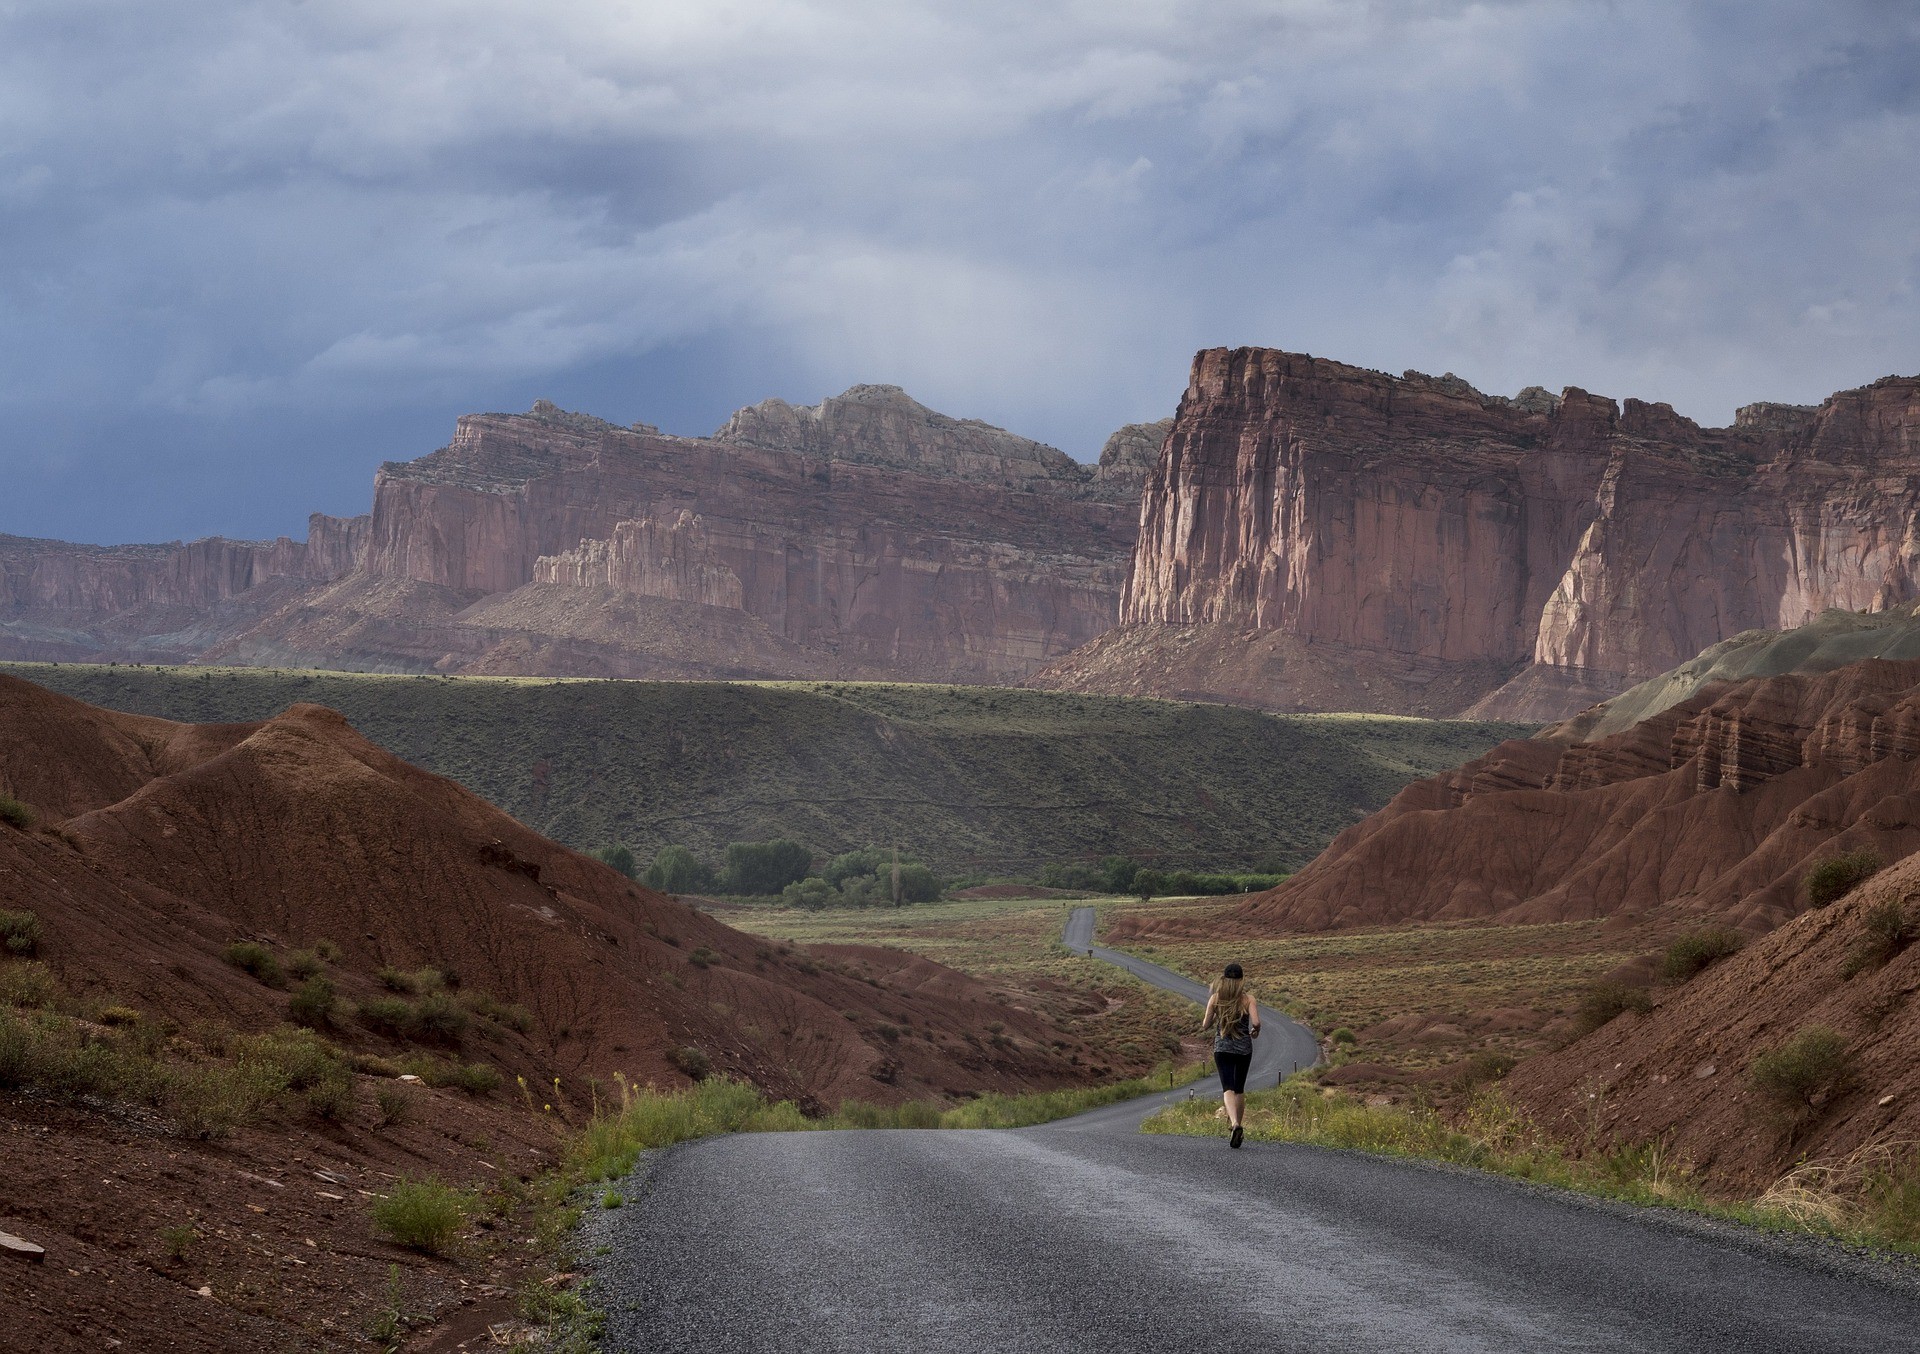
[
  {"x": 975, "y": 780},
  {"x": 1011, "y": 944},
  {"x": 1415, "y": 997}
]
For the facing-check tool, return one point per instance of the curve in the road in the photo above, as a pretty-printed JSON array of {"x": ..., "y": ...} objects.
[{"x": 1283, "y": 1048}]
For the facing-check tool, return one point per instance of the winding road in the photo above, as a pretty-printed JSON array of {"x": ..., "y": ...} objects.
[{"x": 1084, "y": 1234}]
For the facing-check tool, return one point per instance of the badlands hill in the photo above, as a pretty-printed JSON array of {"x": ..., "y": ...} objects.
[
  {"x": 969, "y": 779},
  {"x": 156, "y": 845},
  {"x": 866, "y": 536},
  {"x": 1714, "y": 806},
  {"x": 1319, "y": 536}
]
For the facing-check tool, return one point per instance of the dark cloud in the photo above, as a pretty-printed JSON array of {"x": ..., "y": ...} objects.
[{"x": 249, "y": 250}]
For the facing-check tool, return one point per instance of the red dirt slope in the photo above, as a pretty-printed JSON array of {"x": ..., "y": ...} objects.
[
  {"x": 1679, "y": 1074},
  {"x": 160, "y": 844},
  {"x": 1717, "y": 806}
]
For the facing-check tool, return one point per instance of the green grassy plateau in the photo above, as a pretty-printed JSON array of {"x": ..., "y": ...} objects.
[{"x": 970, "y": 779}]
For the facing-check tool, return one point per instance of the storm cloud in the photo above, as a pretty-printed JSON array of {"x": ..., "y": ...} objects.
[{"x": 251, "y": 250}]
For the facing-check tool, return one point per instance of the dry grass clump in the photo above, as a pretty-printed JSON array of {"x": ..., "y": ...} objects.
[
  {"x": 1873, "y": 1190},
  {"x": 15, "y": 814},
  {"x": 1834, "y": 878},
  {"x": 254, "y": 958},
  {"x": 1693, "y": 952}
]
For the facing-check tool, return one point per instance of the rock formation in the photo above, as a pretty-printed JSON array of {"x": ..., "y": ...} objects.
[
  {"x": 866, "y": 536},
  {"x": 1416, "y": 527},
  {"x": 1715, "y": 806}
]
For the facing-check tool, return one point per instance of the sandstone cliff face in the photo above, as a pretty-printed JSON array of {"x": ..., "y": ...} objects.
[
  {"x": 865, "y": 537},
  {"x": 1592, "y": 546}
]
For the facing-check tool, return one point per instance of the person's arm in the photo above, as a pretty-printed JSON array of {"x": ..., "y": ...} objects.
[
  {"x": 1253, "y": 1015},
  {"x": 1206, "y": 1017}
]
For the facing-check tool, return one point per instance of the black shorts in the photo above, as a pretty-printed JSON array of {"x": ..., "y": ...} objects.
[{"x": 1233, "y": 1070}]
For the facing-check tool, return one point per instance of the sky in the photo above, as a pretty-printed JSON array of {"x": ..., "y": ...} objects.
[{"x": 248, "y": 251}]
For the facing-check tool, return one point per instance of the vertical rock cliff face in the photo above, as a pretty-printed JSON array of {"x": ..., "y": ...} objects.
[
  {"x": 867, "y": 536},
  {"x": 1415, "y": 528}
]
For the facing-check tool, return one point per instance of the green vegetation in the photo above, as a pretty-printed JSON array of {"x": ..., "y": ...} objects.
[
  {"x": 1835, "y": 877},
  {"x": 765, "y": 867},
  {"x": 20, "y": 933},
  {"x": 1604, "y": 1001},
  {"x": 423, "y": 1215},
  {"x": 1695, "y": 950},
  {"x": 1151, "y": 884},
  {"x": 617, "y": 858},
  {"x": 313, "y": 1004},
  {"x": 252, "y": 957},
  {"x": 1888, "y": 928},
  {"x": 1813, "y": 1064},
  {"x": 15, "y": 814},
  {"x": 675, "y": 870},
  {"x": 950, "y": 773}
]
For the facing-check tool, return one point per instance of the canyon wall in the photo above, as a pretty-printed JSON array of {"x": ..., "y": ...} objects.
[
  {"x": 864, "y": 537},
  {"x": 1416, "y": 528}
]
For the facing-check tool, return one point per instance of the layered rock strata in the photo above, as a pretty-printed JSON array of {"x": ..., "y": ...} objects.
[
  {"x": 1717, "y": 805},
  {"x": 867, "y": 536},
  {"x": 1567, "y": 541}
]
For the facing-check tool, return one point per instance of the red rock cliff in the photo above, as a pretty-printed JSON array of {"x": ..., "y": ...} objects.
[{"x": 1404, "y": 518}]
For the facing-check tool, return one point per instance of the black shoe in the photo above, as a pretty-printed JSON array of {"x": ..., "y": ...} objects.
[{"x": 1238, "y": 1134}]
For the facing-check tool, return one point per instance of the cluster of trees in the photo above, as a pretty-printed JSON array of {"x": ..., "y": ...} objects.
[
  {"x": 784, "y": 867},
  {"x": 1118, "y": 874}
]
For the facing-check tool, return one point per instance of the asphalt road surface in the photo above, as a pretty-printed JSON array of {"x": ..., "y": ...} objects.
[{"x": 1086, "y": 1235}]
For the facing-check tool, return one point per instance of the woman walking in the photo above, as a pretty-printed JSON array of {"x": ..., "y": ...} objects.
[{"x": 1232, "y": 1011}]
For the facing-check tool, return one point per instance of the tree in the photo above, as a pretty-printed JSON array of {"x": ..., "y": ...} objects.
[
  {"x": 677, "y": 870},
  {"x": 1118, "y": 874},
  {"x": 766, "y": 867},
  {"x": 918, "y": 884},
  {"x": 618, "y": 857}
]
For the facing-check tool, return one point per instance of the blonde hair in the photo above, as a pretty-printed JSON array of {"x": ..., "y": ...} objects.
[{"x": 1229, "y": 1003}]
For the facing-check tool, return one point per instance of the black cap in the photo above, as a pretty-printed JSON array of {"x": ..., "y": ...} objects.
[{"x": 1232, "y": 971}]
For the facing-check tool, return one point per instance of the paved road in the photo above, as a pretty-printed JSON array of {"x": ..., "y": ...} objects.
[{"x": 1084, "y": 1235}]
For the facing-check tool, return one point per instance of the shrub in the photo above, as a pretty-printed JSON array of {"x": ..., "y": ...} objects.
[
  {"x": 616, "y": 858},
  {"x": 27, "y": 983},
  {"x": 393, "y": 1103},
  {"x": 676, "y": 870},
  {"x": 765, "y": 867},
  {"x": 439, "y": 1018},
  {"x": 473, "y": 1078},
  {"x": 177, "y": 1242},
  {"x": 256, "y": 959},
  {"x": 1603, "y": 1001},
  {"x": 693, "y": 1062},
  {"x": 867, "y": 861},
  {"x": 422, "y": 1215},
  {"x": 1887, "y": 929},
  {"x": 701, "y": 957},
  {"x": 1343, "y": 1035},
  {"x": 304, "y": 964},
  {"x": 327, "y": 950},
  {"x": 1695, "y": 950},
  {"x": 1815, "y": 1060},
  {"x": 1485, "y": 1066},
  {"x": 210, "y": 1102},
  {"x": 19, "y": 933},
  {"x": 810, "y": 894},
  {"x": 387, "y": 1015},
  {"x": 15, "y": 814},
  {"x": 396, "y": 979},
  {"x": 1832, "y": 879},
  {"x": 119, "y": 1016},
  {"x": 509, "y": 1014},
  {"x": 312, "y": 1004}
]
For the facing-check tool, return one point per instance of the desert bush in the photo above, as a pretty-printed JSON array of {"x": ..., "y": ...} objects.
[
  {"x": 390, "y": 1016},
  {"x": 439, "y": 1018},
  {"x": 27, "y": 983},
  {"x": 1886, "y": 930},
  {"x": 1814, "y": 1061},
  {"x": 616, "y": 858},
  {"x": 473, "y": 1078},
  {"x": 20, "y": 933},
  {"x": 393, "y": 1102},
  {"x": 423, "y": 1215},
  {"x": 328, "y": 951},
  {"x": 1606, "y": 1000},
  {"x": 511, "y": 1015},
  {"x": 1343, "y": 1035},
  {"x": 692, "y": 1062},
  {"x": 1695, "y": 950},
  {"x": 312, "y": 1004},
  {"x": 176, "y": 1243},
  {"x": 304, "y": 964},
  {"x": 396, "y": 979},
  {"x": 119, "y": 1016},
  {"x": 765, "y": 867},
  {"x": 306, "y": 1066},
  {"x": 210, "y": 1102},
  {"x": 15, "y": 814},
  {"x": 252, "y": 957},
  {"x": 1834, "y": 878},
  {"x": 701, "y": 957},
  {"x": 677, "y": 870},
  {"x": 1488, "y": 1065}
]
